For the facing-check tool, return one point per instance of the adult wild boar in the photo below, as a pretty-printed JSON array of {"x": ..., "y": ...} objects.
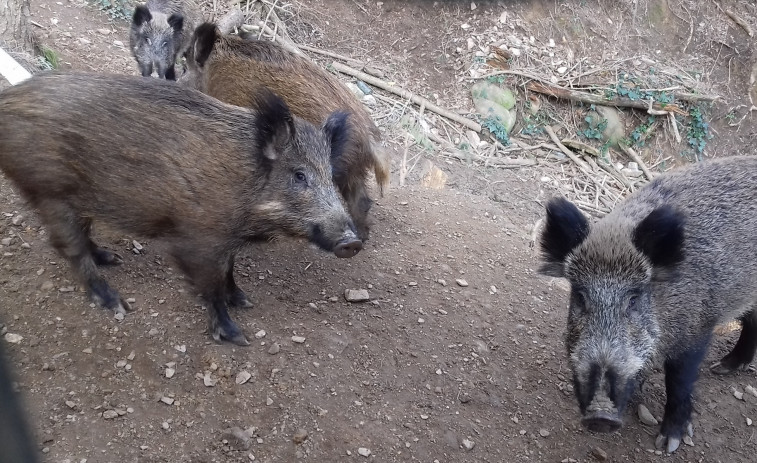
[
  {"x": 651, "y": 280},
  {"x": 232, "y": 69},
  {"x": 157, "y": 160},
  {"x": 160, "y": 33}
]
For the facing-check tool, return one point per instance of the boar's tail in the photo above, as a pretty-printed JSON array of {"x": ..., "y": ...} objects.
[{"x": 381, "y": 165}]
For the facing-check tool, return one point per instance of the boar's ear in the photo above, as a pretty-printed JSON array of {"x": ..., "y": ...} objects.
[
  {"x": 274, "y": 126},
  {"x": 565, "y": 229},
  {"x": 660, "y": 236},
  {"x": 141, "y": 15},
  {"x": 204, "y": 40},
  {"x": 176, "y": 21},
  {"x": 336, "y": 129}
]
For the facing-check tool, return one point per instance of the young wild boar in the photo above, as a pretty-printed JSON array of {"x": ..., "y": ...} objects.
[
  {"x": 232, "y": 69},
  {"x": 160, "y": 33},
  {"x": 651, "y": 280},
  {"x": 157, "y": 160}
]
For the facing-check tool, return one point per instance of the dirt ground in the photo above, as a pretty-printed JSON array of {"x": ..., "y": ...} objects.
[{"x": 458, "y": 356}]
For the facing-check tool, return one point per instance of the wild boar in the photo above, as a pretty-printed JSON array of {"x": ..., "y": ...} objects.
[
  {"x": 160, "y": 33},
  {"x": 232, "y": 69},
  {"x": 153, "y": 159},
  {"x": 650, "y": 281}
]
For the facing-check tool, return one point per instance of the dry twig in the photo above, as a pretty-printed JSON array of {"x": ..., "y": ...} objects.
[
  {"x": 419, "y": 100},
  {"x": 590, "y": 98}
]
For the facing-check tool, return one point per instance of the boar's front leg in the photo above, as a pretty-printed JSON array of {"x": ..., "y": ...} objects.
[
  {"x": 69, "y": 235},
  {"x": 209, "y": 273},
  {"x": 235, "y": 297},
  {"x": 680, "y": 375}
]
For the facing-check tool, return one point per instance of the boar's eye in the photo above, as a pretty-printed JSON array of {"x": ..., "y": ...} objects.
[
  {"x": 579, "y": 301},
  {"x": 633, "y": 305},
  {"x": 165, "y": 45},
  {"x": 300, "y": 177}
]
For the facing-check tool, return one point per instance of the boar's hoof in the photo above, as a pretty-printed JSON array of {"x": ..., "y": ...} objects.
[
  {"x": 107, "y": 297},
  {"x": 722, "y": 367},
  {"x": 229, "y": 332},
  {"x": 104, "y": 257},
  {"x": 671, "y": 444},
  {"x": 603, "y": 422},
  {"x": 348, "y": 248}
]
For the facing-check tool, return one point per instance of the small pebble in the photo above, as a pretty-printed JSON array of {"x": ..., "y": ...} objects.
[
  {"x": 47, "y": 286},
  {"x": 687, "y": 440},
  {"x": 748, "y": 421},
  {"x": 6, "y": 241},
  {"x": 121, "y": 363},
  {"x": 13, "y": 338},
  {"x": 751, "y": 390},
  {"x": 599, "y": 454},
  {"x": 739, "y": 395},
  {"x": 543, "y": 433},
  {"x": 87, "y": 350},
  {"x": 110, "y": 414},
  {"x": 298, "y": 339},
  {"x": 468, "y": 444},
  {"x": 274, "y": 349},
  {"x": 269, "y": 401},
  {"x": 119, "y": 316},
  {"x": 243, "y": 376},
  {"x": 441, "y": 282},
  {"x": 260, "y": 334},
  {"x": 71, "y": 405},
  {"x": 356, "y": 295},
  {"x": 461, "y": 282},
  {"x": 646, "y": 417},
  {"x": 300, "y": 436},
  {"x": 170, "y": 372},
  {"x": 208, "y": 381},
  {"x": 364, "y": 452},
  {"x": 166, "y": 426},
  {"x": 167, "y": 400}
]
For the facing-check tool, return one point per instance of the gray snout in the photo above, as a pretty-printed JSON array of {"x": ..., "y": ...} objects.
[
  {"x": 348, "y": 247},
  {"x": 602, "y": 421}
]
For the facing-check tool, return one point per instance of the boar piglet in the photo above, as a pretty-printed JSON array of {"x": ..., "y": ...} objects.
[
  {"x": 160, "y": 33},
  {"x": 160, "y": 161},
  {"x": 232, "y": 69},
  {"x": 650, "y": 281}
]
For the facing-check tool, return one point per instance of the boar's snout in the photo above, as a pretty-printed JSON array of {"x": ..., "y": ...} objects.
[
  {"x": 348, "y": 247},
  {"x": 602, "y": 421}
]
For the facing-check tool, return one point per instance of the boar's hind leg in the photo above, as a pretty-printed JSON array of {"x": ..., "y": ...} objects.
[
  {"x": 69, "y": 236},
  {"x": 742, "y": 354},
  {"x": 101, "y": 256},
  {"x": 235, "y": 297},
  {"x": 680, "y": 376},
  {"x": 210, "y": 279}
]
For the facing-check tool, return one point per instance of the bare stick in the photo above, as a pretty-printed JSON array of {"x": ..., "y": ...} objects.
[
  {"x": 674, "y": 125},
  {"x": 744, "y": 25},
  {"x": 407, "y": 95},
  {"x": 694, "y": 97},
  {"x": 590, "y": 98},
  {"x": 581, "y": 165},
  {"x": 332, "y": 55},
  {"x": 637, "y": 159}
]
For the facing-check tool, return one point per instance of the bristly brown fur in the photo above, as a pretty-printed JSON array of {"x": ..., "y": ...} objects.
[
  {"x": 154, "y": 159},
  {"x": 231, "y": 69}
]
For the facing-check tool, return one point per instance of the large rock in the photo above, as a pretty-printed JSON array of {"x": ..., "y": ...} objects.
[{"x": 496, "y": 102}]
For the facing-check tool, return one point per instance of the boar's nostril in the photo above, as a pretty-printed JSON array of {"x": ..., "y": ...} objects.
[
  {"x": 348, "y": 248},
  {"x": 602, "y": 421}
]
